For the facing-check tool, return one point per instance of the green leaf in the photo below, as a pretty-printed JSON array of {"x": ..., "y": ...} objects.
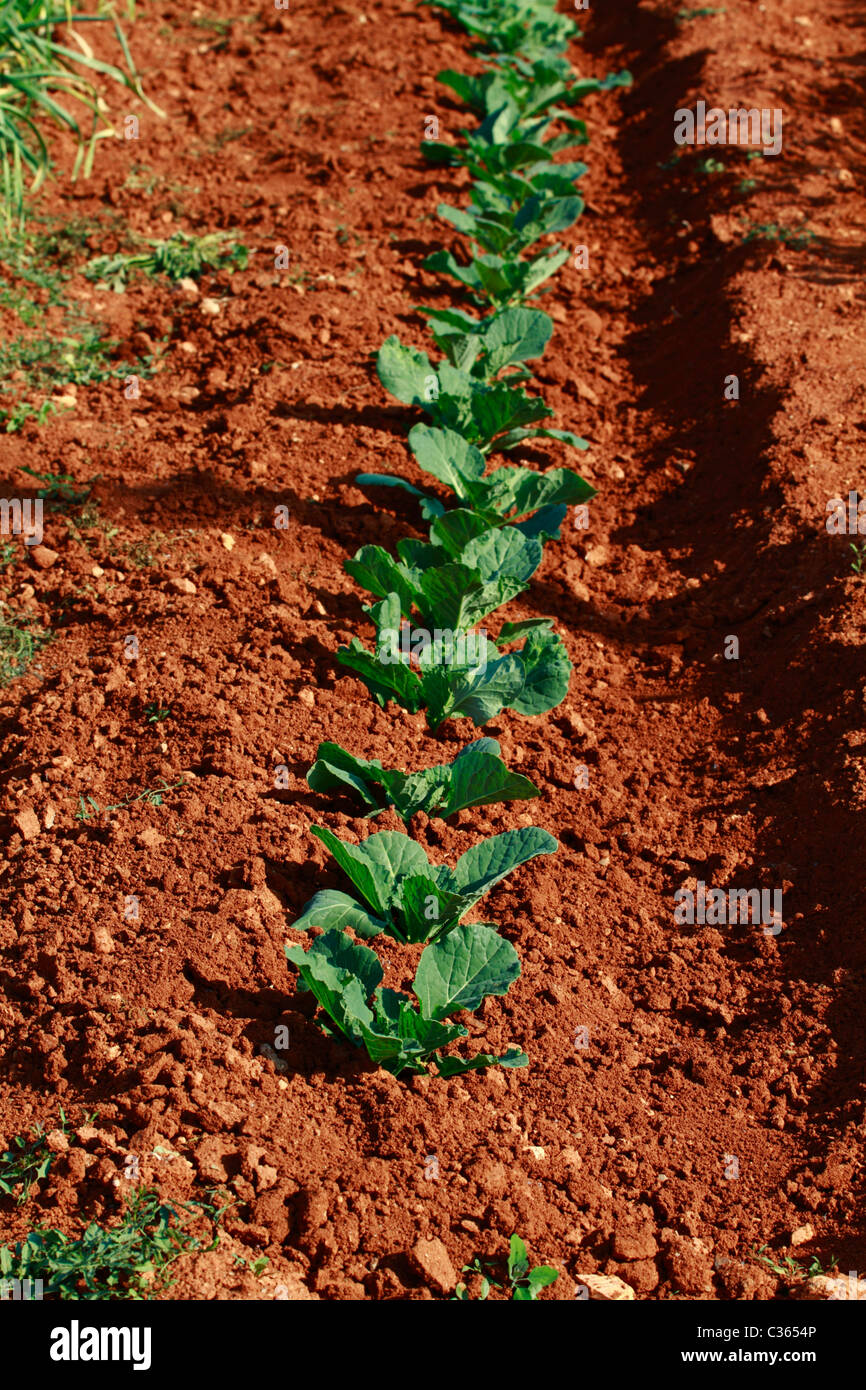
[
  {"x": 404, "y": 371},
  {"x": 511, "y": 631},
  {"x": 505, "y": 552},
  {"x": 335, "y": 767},
  {"x": 467, "y": 965},
  {"x": 479, "y": 778},
  {"x": 486, "y": 863},
  {"x": 456, "y": 1066},
  {"x": 453, "y": 532},
  {"x": 547, "y": 673},
  {"x": 449, "y": 457},
  {"x": 377, "y": 864},
  {"x": 380, "y": 574},
  {"x": 518, "y": 1259},
  {"x": 399, "y": 1037},
  {"x": 478, "y": 695},
  {"x": 331, "y": 909},
  {"x": 558, "y": 485},
  {"x": 392, "y": 680},
  {"x": 428, "y": 909},
  {"x": 341, "y": 975},
  {"x": 476, "y": 777},
  {"x": 542, "y": 216},
  {"x": 453, "y": 598},
  {"x": 517, "y": 335},
  {"x": 544, "y": 525}
]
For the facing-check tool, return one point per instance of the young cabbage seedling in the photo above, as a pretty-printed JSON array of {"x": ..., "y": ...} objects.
[
  {"x": 533, "y": 88},
  {"x": 460, "y": 674},
  {"x": 490, "y": 415},
  {"x": 531, "y": 28},
  {"x": 476, "y": 777},
  {"x": 456, "y": 973},
  {"x": 406, "y": 896},
  {"x": 501, "y": 497}
]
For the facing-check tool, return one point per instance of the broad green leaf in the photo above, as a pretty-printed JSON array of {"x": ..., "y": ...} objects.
[
  {"x": 541, "y": 216},
  {"x": 510, "y": 632},
  {"x": 377, "y": 864},
  {"x": 478, "y": 695},
  {"x": 399, "y": 1037},
  {"x": 485, "y": 864},
  {"x": 503, "y": 552},
  {"x": 517, "y": 335},
  {"x": 544, "y": 524},
  {"x": 556, "y": 486},
  {"x": 548, "y": 671},
  {"x": 500, "y": 407},
  {"x": 453, "y": 532},
  {"x": 380, "y": 574},
  {"x": 331, "y": 909},
  {"x": 476, "y": 777},
  {"x": 385, "y": 680},
  {"x": 335, "y": 767},
  {"x": 453, "y": 598},
  {"x": 479, "y": 778},
  {"x": 449, "y": 457},
  {"x": 429, "y": 910},
  {"x": 341, "y": 975},
  {"x": 463, "y": 968},
  {"x": 518, "y": 1259},
  {"x": 404, "y": 371},
  {"x": 419, "y": 555}
]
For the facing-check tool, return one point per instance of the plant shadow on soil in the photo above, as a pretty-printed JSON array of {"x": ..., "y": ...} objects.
[{"x": 804, "y": 819}]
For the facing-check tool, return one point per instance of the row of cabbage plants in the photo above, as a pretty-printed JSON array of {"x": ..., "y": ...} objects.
[{"x": 487, "y": 528}]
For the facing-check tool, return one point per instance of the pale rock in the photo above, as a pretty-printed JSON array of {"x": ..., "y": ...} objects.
[
  {"x": 265, "y": 1177},
  {"x": 210, "y": 307},
  {"x": 101, "y": 940},
  {"x": 842, "y": 1287},
  {"x": 432, "y": 1261},
  {"x": 27, "y": 822},
  {"x": 44, "y": 557},
  {"x": 607, "y": 1288},
  {"x": 183, "y": 586},
  {"x": 803, "y": 1234},
  {"x": 150, "y": 837}
]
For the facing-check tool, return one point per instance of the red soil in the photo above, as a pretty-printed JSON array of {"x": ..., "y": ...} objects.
[{"x": 703, "y": 1043}]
